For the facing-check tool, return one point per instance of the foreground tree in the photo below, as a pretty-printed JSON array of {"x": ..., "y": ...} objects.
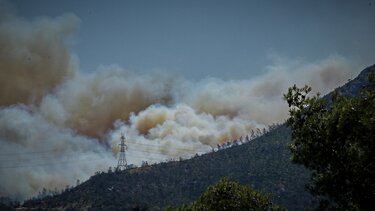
[
  {"x": 230, "y": 195},
  {"x": 336, "y": 142}
]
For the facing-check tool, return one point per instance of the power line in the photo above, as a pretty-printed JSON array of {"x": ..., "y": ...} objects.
[
  {"x": 47, "y": 164},
  {"x": 130, "y": 143},
  {"x": 173, "y": 148},
  {"x": 72, "y": 161},
  {"x": 33, "y": 152},
  {"x": 157, "y": 159},
  {"x": 42, "y": 158},
  {"x": 150, "y": 151},
  {"x": 137, "y": 149}
]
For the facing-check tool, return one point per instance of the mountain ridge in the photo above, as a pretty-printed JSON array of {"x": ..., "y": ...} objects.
[
  {"x": 354, "y": 87},
  {"x": 178, "y": 182}
]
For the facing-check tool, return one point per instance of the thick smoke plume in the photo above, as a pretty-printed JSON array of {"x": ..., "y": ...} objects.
[
  {"x": 37, "y": 154},
  {"x": 34, "y": 60},
  {"x": 34, "y": 57},
  {"x": 214, "y": 111},
  {"x": 91, "y": 103},
  {"x": 58, "y": 125}
]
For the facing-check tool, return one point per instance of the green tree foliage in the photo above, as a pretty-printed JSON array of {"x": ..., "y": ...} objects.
[
  {"x": 337, "y": 142},
  {"x": 228, "y": 194}
]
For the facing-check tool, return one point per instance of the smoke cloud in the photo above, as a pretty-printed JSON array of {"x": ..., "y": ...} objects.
[
  {"x": 34, "y": 57},
  {"x": 91, "y": 103},
  {"x": 213, "y": 111},
  {"x": 58, "y": 125},
  {"x": 39, "y": 154}
]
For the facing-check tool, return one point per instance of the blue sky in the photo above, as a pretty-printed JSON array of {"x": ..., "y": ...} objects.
[{"x": 223, "y": 39}]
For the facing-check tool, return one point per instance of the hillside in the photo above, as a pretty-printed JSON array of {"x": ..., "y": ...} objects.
[
  {"x": 353, "y": 87},
  {"x": 262, "y": 163}
]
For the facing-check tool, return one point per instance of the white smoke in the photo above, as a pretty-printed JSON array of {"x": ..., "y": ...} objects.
[
  {"x": 213, "y": 111},
  {"x": 37, "y": 154}
]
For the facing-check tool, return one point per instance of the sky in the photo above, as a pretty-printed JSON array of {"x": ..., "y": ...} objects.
[
  {"x": 222, "y": 39},
  {"x": 176, "y": 77}
]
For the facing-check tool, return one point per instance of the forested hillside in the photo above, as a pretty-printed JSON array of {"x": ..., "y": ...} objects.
[{"x": 262, "y": 163}]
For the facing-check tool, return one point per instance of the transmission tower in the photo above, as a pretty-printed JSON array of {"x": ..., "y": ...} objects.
[{"x": 122, "y": 164}]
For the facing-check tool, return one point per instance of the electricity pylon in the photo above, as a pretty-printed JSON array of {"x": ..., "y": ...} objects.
[{"x": 122, "y": 164}]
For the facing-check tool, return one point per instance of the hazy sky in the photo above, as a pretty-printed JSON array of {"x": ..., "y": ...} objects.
[{"x": 224, "y": 39}]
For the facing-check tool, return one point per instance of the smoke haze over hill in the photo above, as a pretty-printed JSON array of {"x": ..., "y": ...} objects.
[{"x": 58, "y": 124}]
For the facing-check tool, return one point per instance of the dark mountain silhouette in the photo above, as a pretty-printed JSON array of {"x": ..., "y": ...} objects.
[
  {"x": 355, "y": 86},
  {"x": 262, "y": 163}
]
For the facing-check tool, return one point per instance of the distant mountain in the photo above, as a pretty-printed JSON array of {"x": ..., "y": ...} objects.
[
  {"x": 262, "y": 163},
  {"x": 355, "y": 86}
]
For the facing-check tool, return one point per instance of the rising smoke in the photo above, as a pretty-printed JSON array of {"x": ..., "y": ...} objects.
[
  {"x": 58, "y": 125},
  {"x": 34, "y": 57},
  {"x": 91, "y": 103},
  {"x": 37, "y": 154},
  {"x": 213, "y": 111}
]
